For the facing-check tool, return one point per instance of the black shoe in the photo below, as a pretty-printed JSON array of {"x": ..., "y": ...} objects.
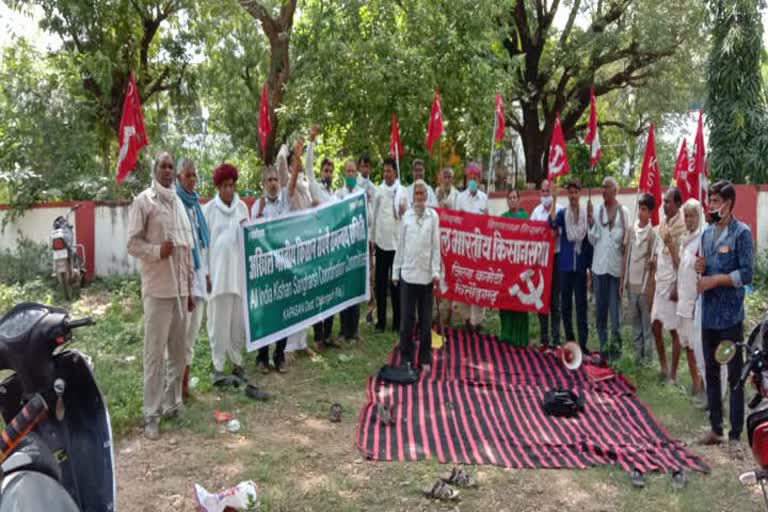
[
  {"x": 256, "y": 393},
  {"x": 637, "y": 478},
  {"x": 239, "y": 372}
]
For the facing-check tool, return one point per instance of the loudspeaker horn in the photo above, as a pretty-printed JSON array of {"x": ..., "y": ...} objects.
[{"x": 571, "y": 355}]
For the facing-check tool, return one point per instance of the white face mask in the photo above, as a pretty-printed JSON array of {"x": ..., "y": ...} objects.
[{"x": 546, "y": 201}]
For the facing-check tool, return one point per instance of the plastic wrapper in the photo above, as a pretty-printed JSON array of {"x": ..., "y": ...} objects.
[{"x": 243, "y": 496}]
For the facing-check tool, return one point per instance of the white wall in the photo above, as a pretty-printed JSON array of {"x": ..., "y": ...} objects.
[
  {"x": 762, "y": 220},
  {"x": 35, "y": 224},
  {"x": 111, "y": 232}
]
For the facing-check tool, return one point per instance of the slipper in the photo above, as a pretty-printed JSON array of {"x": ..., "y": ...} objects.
[
  {"x": 459, "y": 478},
  {"x": 256, "y": 393},
  {"x": 385, "y": 415},
  {"x": 637, "y": 478},
  {"x": 679, "y": 479},
  {"x": 335, "y": 415},
  {"x": 441, "y": 491}
]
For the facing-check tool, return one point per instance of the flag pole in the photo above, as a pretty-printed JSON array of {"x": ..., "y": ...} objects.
[{"x": 491, "y": 181}]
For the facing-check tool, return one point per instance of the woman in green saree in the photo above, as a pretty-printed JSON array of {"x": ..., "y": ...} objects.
[{"x": 514, "y": 324}]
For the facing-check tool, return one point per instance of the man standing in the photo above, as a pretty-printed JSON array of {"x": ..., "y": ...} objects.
[
  {"x": 640, "y": 247},
  {"x": 726, "y": 267},
  {"x": 185, "y": 188},
  {"x": 575, "y": 260},
  {"x": 475, "y": 201},
  {"x": 160, "y": 235},
  {"x": 417, "y": 265},
  {"x": 271, "y": 205},
  {"x": 447, "y": 197},
  {"x": 365, "y": 183},
  {"x": 350, "y": 317},
  {"x": 405, "y": 199},
  {"x": 666, "y": 262},
  {"x": 607, "y": 234},
  {"x": 550, "y": 323},
  {"x": 385, "y": 233}
]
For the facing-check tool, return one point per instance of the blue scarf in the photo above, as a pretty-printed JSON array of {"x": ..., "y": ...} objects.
[{"x": 201, "y": 240}]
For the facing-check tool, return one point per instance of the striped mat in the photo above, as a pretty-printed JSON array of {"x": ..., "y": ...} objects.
[{"x": 481, "y": 404}]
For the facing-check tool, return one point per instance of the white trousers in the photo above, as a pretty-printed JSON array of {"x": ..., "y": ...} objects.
[
  {"x": 297, "y": 341},
  {"x": 193, "y": 328},
  {"x": 226, "y": 330}
]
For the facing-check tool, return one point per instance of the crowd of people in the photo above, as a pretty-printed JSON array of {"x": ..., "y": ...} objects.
[{"x": 676, "y": 276}]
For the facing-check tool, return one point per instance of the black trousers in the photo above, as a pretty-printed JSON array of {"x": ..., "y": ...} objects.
[
  {"x": 383, "y": 284},
  {"x": 574, "y": 284},
  {"x": 416, "y": 299},
  {"x": 278, "y": 357},
  {"x": 550, "y": 323},
  {"x": 323, "y": 329},
  {"x": 710, "y": 339},
  {"x": 350, "y": 319}
]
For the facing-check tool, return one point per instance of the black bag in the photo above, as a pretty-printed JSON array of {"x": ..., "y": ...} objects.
[
  {"x": 562, "y": 402},
  {"x": 398, "y": 374}
]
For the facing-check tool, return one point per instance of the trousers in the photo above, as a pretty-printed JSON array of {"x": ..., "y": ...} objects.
[
  {"x": 226, "y": 330},
  {"x": 416, "y": 299}
]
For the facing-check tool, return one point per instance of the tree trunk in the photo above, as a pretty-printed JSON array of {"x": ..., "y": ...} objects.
[
  {"x": 279, "y": 71},
  {"x": 534, "y": 145}
]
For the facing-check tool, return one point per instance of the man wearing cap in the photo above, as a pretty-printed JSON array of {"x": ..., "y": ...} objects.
[
  {"x": 575, "y": 259},
  {"x": 475, "y": 201}
]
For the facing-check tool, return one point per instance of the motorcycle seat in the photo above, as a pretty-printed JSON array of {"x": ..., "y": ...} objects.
[{"x": 32, "y": 454}]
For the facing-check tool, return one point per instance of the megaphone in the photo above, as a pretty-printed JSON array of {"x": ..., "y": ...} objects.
[{"x": 571, "y": 355}]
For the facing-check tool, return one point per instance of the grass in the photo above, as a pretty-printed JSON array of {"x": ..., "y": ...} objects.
[{"x": 287, "y": 447}]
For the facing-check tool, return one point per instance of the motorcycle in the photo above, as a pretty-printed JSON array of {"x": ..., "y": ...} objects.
[
  {"x": 756, "y": 366},
  {"x": 68, "y": 257},
  {"x": 56, "y": 447}
]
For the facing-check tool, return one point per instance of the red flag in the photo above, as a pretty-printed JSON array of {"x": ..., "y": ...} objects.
[
  {"x": 558, "y": 156},
  {"x": 650, "y": 179},
  {"x": 435, "y": 125},
  {"x": 499, "y": 119},
  {"x": 265, "y": 125},
  {"x": 593, "y": 136},
  {"x": 132, "y": 136},
  {"x": 395, "y": 146},
  {"x": 682, "y": 176},
  {"x": 699, "y": 171}
]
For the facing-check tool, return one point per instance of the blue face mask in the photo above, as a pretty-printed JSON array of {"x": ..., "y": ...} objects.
[{"x": 472, "y": 186}]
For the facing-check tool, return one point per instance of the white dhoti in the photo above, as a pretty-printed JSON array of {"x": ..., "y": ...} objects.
[
  {"x": 226, "y": 330},
  {"x": 195, "y": 321},
  {"x": 297, "y": 341}
]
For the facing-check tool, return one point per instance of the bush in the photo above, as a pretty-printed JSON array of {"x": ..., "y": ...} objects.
[{"x": 29, "y": 261}]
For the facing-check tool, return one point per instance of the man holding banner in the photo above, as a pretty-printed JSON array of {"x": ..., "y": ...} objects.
[
  {"x": 550, "y": 323},
  {"x": 417, "y": 265},
  {"x": 350, "y": 317}
]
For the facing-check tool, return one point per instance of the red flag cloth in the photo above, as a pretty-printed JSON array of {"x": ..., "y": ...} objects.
[
  {"x": 500, "y": 125},
  {"x": 132, "y": 136},
  {"x": 265, "y": 125},
  {"x": 395, "y": 146},
  {"x": 593, "y": 136},
  {"x": 435, "y": 125},
  {"x": 682, "y": 176},
  {"x": 650, "y": 179},
  {"x": 699, "y": 172},
  {"x": 558, "y": 156}
]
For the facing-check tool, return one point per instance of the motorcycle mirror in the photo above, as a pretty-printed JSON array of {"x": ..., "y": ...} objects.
[
  {"x": 571, "y": 355},
  {"x": 725, "y": 352}
]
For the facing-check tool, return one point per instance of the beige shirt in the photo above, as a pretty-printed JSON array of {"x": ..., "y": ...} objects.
[{"x": 150, "y": 220}]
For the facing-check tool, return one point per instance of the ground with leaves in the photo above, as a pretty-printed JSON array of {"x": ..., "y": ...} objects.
[{"x": 302, "y": 462}]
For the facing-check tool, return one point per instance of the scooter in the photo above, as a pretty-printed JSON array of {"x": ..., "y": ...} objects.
[
  {"x": 68, "y": 257},
  {"x": 757, "y": 419},
  {"x": 56, "y": 447}
]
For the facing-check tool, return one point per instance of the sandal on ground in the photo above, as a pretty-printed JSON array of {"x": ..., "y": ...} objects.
[
  {"x": 335, "y": 414},
  {"x": 459, "y": 478},
  {"x": 637, "y": 478},
  {"x": 679, "y": 479},
  {"x": 441, "y": 491},
  {"x": 254, "y": 392},
  {"x": 384, "y": 414}
]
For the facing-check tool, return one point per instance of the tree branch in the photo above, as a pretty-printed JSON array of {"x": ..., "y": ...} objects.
[{"x": 616, "y": 124}]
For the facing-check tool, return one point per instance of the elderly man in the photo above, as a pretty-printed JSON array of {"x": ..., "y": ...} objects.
[
  {"x": 350, "y": 317},
  {"x": 575, "y": 259},
  {"x": 550, "y": 323},
  {"x": 666, "y": 262},
  {"x": 385, "y": 232},
  {"x": 160, "y": 236},
  {"x": 272, "y": 204},
  {"x": 475, "y": 201},
  {"x": 417, "y": 266},
  {"x": 608, "y": 231},
  {"x": 185, "y": 188},
  {"x": 726, "y": 267},
  {"x": 447, "y": 196},
  {"x": 405, "y": 199},
  {"x": 365, "y": 183}
]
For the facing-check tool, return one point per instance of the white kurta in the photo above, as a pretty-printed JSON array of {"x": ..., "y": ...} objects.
[{"x": 226, "y": 328}]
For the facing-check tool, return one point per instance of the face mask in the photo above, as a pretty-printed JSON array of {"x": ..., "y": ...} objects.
[
  {"x": 472, "y": 185},
  {"x": 546, "y": 201},
  {"x": 350, "y": 181},
  {"x": 327, "y": 182},
  {"x": 716, "y": 216}
]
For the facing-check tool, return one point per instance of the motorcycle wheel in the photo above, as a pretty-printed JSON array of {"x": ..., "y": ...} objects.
[{"x": 64, "y": 281}]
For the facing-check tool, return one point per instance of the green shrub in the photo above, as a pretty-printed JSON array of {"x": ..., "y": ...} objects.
[{"x": 29, "y": 261}]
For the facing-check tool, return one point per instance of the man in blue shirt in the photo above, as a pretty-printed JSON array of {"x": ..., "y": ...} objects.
[
  {"x": 726, "y": 267},
  {"x": 575, "y": 259}
]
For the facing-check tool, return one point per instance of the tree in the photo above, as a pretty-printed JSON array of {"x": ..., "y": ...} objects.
[
  {"x": 736, "y": 102},
  {"x": 278, "y": 31},
  {"x": 624, "y": 44}
]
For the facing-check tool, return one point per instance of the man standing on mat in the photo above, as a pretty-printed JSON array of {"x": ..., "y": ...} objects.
[
  {"x": 550, "y": 323},
  {"x": 726, "y": 267},
  {"x": 417, "y": 264}
]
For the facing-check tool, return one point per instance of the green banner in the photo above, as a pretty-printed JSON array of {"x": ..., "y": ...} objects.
[{"x": 304, "y": 267}]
